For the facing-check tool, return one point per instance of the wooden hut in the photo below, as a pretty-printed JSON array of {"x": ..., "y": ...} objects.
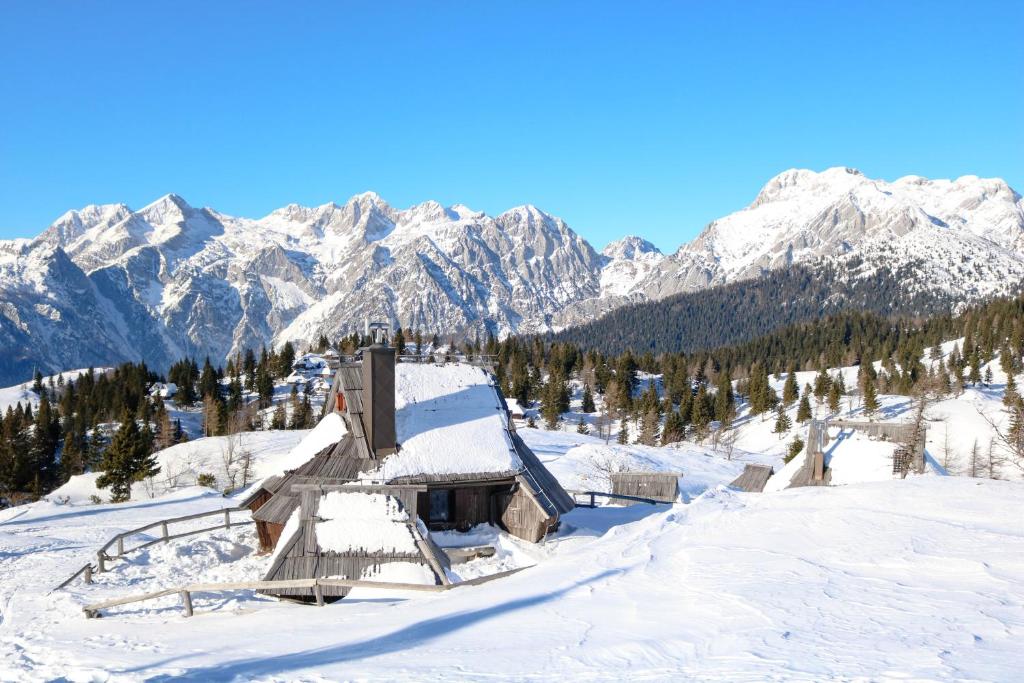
[
  {"x": 753, "y": 479},
  {"x": 660, "y": 486},
  {"x": 443, "y": 429}
]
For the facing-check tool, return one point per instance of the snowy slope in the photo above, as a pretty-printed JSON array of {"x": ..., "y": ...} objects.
[
  {"x": 916, "y": 579},
  {"x": 23, "y": 394}
]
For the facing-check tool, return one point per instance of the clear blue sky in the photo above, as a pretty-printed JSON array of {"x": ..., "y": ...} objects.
[{"x": 648, "y": 118}]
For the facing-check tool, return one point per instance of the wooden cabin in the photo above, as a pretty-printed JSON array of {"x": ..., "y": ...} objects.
[
  {"x": 660, "y": 486},
  {"x": 442, "y": 429},
  {"x": 753, "y": 479}
]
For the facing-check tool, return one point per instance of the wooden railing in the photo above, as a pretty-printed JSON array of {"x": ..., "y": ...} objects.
[
  {"x": 317, "y": 585},
  {"x": 103, "y": 554},
  {"x": 619, "y": 496}
]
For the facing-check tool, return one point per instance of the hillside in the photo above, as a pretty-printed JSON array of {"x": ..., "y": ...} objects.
[
  {"x": 106, "y": 284},
  {"x": 739, "y": 312}
]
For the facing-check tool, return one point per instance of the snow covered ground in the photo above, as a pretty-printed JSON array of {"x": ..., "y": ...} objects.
[
  {"x": 877, "y": 578},
  {"x": 922, "y": 579}
]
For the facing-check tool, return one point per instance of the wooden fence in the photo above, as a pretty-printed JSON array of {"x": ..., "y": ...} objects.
[
  {"x": 118, "y": 541},
  {"x": 93, "y": 610},
  {"x": 616, "y": 496}
]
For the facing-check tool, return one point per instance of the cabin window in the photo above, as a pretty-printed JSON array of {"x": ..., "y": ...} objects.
[{"x": 440, "y": 505}]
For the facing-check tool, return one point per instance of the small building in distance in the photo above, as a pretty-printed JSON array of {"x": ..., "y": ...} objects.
[
  {"x": 753, "y": 478},
  {"x": 164, "y": 390},
  {"x": 659, "y": 486}
]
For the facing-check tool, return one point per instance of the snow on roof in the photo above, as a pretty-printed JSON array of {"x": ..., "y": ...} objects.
[
  {"x": 449, "y": 421},
  {"x": 371, "y": 522},
  {"x": 328, "y": 431},
  {"x": 514, "y": 406}
]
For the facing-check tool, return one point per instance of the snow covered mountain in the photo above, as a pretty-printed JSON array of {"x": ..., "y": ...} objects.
[
  {"x": 107, "y": 283},
  {"x": 966, "y": 235}
]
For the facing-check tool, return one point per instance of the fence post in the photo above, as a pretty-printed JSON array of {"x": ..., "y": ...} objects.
[
  {"x": 227, "y": 518},
  {"x": 163, "y": 528},
  {"x": 319, "y": 593},
  {"x": 120, "y": 546},
  {"x": 88, "y": 573},
  {"x": 592, "y": 502},
  {"x": 186, "y": 602},
  {"x": 101, "y": 565}
]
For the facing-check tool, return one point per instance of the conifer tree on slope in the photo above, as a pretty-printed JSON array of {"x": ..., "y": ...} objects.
[
  {"x": 871, "y": 404},
  {"x": 790, "y": 391},
  {"x": 588, "y": 399},
  {"x": 803, "y": 412},
  {"x": 782, "y": 421},
  {"x": 725, "y": 402},
  {"x": 45, "y": 437},
  {"x": 128, "y": 459},
  {"x": 700, "y": 415}
]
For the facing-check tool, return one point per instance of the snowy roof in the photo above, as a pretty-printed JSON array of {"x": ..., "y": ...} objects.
[
  {"x": 514, "y": 406},
  {"x": 368, "y": 522},
  {"x": 449, "y": 420}
]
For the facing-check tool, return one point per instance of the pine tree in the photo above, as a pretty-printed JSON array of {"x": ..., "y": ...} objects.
[
  {"x": 280, "y": 418},
  {"x": 550, "y": 405},
  {"x": 285, "y": 360},
  {"x": 822, "y": 384},
  {"x": 795, "y": 447},
  {"x": 128, "y": 459},
  {"x": 782, "y": 421},
  {"x": 249, "y": 369},
  {"x": 871, "y": 404},
  {"x": 649, "y": 423},
  {"x": 581, "y": 427},
  {"x": 975, "y": 374},
  {"x": 790, "y": 391},
  {"x": 988, "y": 376},
  {"x": 674, "y": 429},
  {"x": 623, "y": 437},
  {"x": 45, "y": 437},
  {"x": 803, "y": 411},
  {"x": 760, "y": 390},
  {"x": 71, "y": 460},
  {"x": 398, "y": 341},
  {"x": 834, "y": 397},
  {"x": 700, "y": 416},
  {"x": 725, "y": 402},
  {"x": 1010, "y": 395},
  {"x": 588, "y": 400}
]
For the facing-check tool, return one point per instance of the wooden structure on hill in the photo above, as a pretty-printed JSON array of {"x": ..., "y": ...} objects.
[
  {"x": 448, "y": 445},
  {"x": 909, "y": 457},
  {"x": 753, "y": 479},
  {"x": 660, "y": 486},
  {"x": 814, "y": 472}
]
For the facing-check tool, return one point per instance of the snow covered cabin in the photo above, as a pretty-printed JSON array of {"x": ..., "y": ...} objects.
[{"x": 439, "y": 432}]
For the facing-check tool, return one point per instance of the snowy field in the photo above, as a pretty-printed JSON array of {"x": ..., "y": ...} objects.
[
  {"x": 920, "y": 578},
  {"x": 875, "y": 578}
]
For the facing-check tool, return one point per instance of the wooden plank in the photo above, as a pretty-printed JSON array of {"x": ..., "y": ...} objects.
[{"x": 186, "y": 602}]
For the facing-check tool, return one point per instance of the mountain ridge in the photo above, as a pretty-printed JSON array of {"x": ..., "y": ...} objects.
[{"x": 171, "y": 279}]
